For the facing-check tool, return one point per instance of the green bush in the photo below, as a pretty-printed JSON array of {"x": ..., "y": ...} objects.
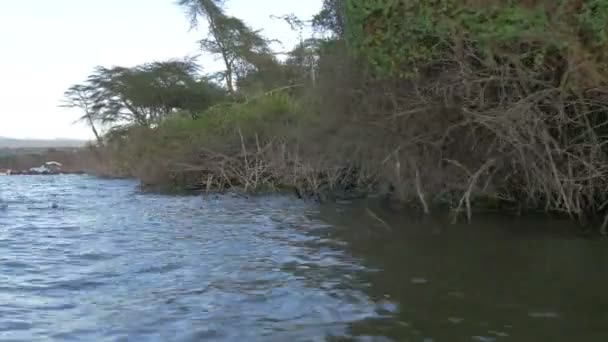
[
  {"x": 398, "y": 37},
  {"x": 180, "y": 139}
]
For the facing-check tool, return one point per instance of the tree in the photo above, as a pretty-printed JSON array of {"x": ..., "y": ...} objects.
[
  {"x": 332, "y": 18},
  {"x": 143, "y": 95},
  {"x": 302, "y": 60},
  {"x": 79, "y": 96},
  {"x": 242, "y": 49}
]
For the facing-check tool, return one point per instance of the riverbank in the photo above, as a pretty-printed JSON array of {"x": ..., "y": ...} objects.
[
  {"x": 55, "y": 160},
  {"x": 326, "y": 163},
  {"x": 33, "y": 173},
  {"x": 454, "y": 107}
]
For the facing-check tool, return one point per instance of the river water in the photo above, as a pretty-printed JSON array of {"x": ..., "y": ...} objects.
[{"x": 84, "y": 259}]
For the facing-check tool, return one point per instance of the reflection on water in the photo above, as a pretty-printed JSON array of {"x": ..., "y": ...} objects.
[
  {"x": 93, "y": 260},
  {"x": 498, "y": 279}
]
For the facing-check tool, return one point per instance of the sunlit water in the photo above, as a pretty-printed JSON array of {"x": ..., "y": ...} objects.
[{"x": 84, "y": 259}]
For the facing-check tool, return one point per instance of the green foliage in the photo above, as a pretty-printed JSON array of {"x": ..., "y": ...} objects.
[
  {"x": 198, "y": 96},
  {"x": 331, "y": 17},
  {"x": 594, "y": 22},
  {"x": 393, "y": 32},
  {"x": 259, "y": 115},
  {"x": 264, "y": 114},
  {"x": 196, "y": 9},
  {"x": 143, "y": 95},
  {"x": 242, "y": 49},
  {"x": 400, "y": 36},
  {"x": 501, "y": 25},
  {"x": 180, "y": 139}
]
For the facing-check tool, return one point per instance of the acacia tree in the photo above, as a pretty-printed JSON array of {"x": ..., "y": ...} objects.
[
  {"x": 79, "y": 96},
  {"x": 242, "y": 49},
  {"x": 143, "y": 95}
]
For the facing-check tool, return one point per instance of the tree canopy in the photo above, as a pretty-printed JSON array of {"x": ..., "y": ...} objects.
[
  {"x": 242, "y": 49},
  {"x": 142, "y": 95}
]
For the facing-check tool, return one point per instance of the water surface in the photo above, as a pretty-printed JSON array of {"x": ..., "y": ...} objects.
[{"x": 84, "y": 259}]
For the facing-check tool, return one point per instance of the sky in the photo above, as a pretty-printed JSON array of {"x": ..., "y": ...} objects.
[{"x": 47, "y": 46}]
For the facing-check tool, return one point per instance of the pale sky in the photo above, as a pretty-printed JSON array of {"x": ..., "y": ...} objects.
[{"x": 48, "y": 45}]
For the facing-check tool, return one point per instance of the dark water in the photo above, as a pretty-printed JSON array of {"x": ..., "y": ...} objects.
[{"x": 83, "y": 259}]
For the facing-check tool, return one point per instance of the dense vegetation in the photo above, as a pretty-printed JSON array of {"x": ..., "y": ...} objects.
[{"x": 461, "y": 103}]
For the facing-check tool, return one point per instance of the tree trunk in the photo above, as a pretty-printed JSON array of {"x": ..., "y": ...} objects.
[
  {"x": 94, "y": 129},
  {"x": 218, "y": 38},
  {"x": 229, "y": 79}
]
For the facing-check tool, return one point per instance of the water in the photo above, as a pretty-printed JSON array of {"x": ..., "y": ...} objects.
[{"x": 84, "y": 259}]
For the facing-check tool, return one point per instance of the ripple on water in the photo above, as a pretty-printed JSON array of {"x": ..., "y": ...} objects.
[
  {"x": 157, "y": 269},
  {"x": 95, "y": 256},
  {"x": 128, "y": 266},
  {"x": 15, "y": 265},
  {"x": 71, "y": 285},
  {"x": 13, "y": 325}
]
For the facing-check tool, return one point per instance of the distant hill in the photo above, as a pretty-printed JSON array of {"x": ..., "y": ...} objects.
[{"x": 40, "y": 143}]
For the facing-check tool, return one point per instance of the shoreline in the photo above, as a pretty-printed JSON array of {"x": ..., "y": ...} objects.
[
  {"x": 481, "y": 207},
  {"x": 29, "y": 173}
]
